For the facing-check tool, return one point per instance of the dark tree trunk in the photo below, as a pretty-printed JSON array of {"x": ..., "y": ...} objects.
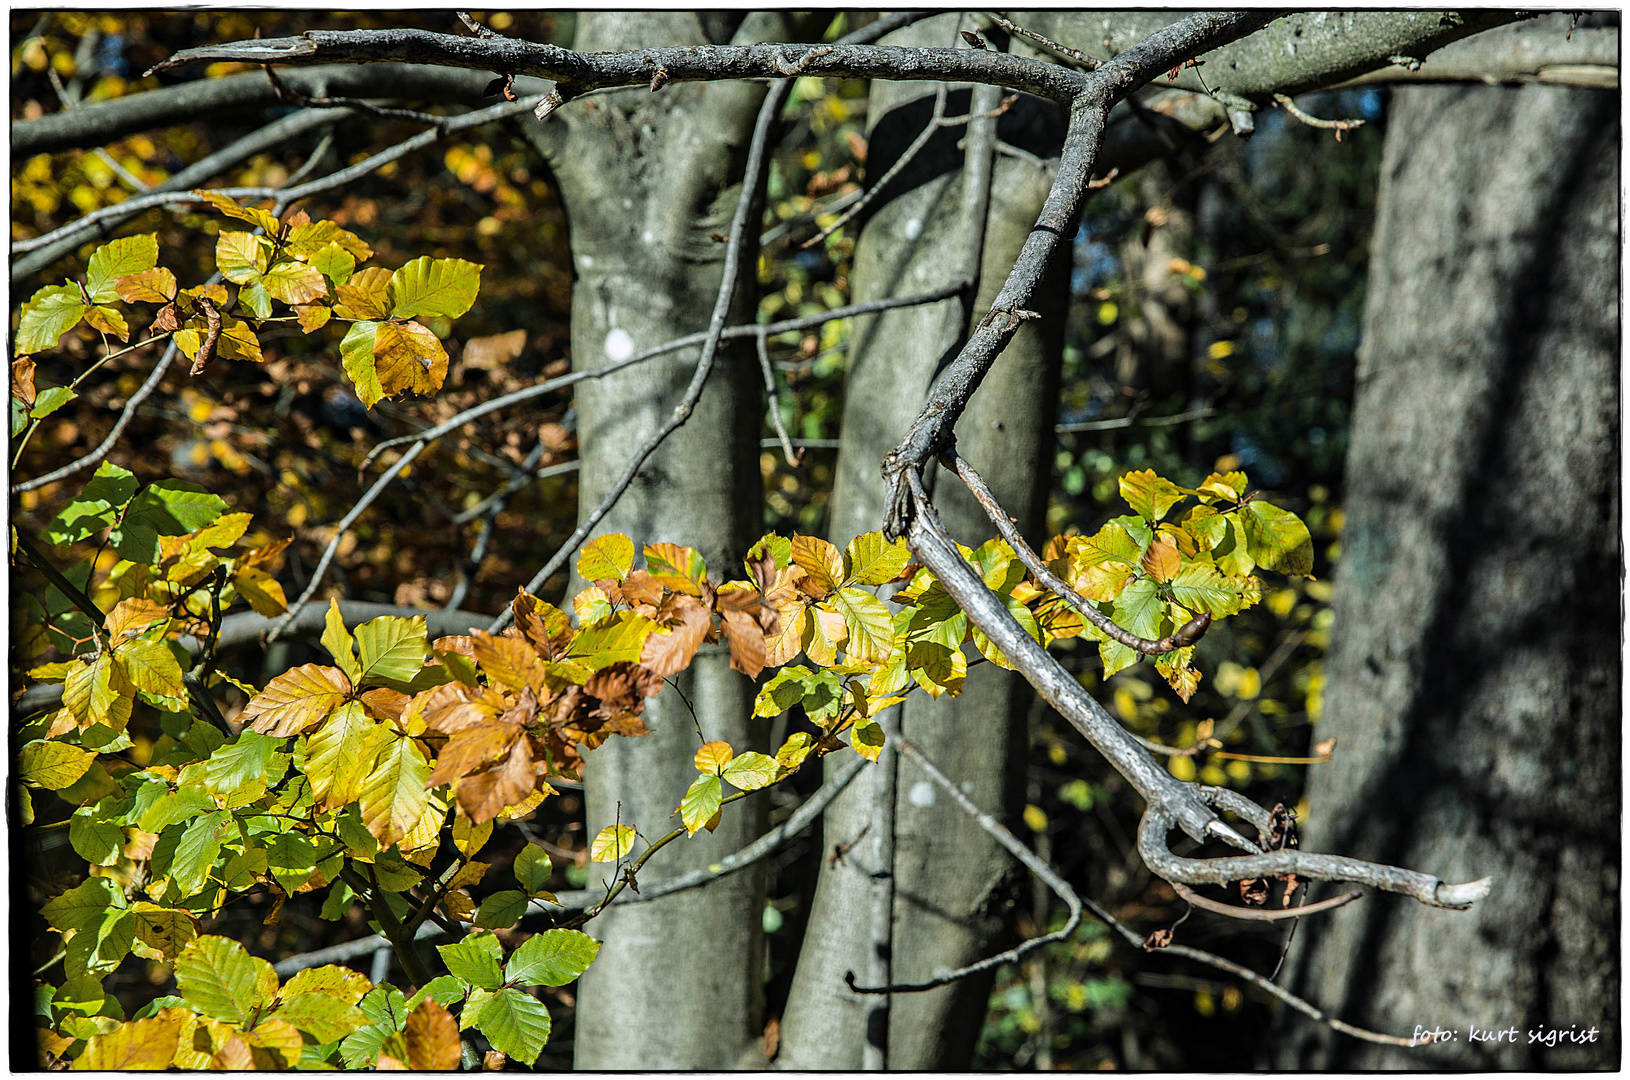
[{"x": 1474, "y": 674}]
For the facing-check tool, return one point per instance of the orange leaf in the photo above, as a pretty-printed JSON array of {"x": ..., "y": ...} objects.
[
  {"x": 432, "y": 1038},
  {"x": 295, "y": 701},
  {"x": 747, "y": 643},
  {"x": 506, "y": 660},
  {"x": 130, "y": 617},
  {"x": 713, "y": 757},
  {"x": 407, "y": 357},
  {"x": 1162, "y": 560},
  {"x": 485, "y": 795},
  {"x": 688, "y": 623},
  {"x": 363, "y": 297},
  {"x": 472, "y": 748},
  {"x": 452, "y": 707}
]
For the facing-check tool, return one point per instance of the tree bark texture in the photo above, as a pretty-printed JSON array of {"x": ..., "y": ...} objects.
[
  {"x": 1474, "y": 674},
  {"x": 954, "y": 887},
  {"x": 645, "y": 179}
]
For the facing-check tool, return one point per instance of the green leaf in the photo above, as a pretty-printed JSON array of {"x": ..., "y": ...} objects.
[
  {"x": 475, "y": 960},
  {"x": 196, "y": 851},
  {"x": 50, "y": 400},
  {"x": 393, "y": 648},
  {"x": 324, "y": 1017},
  {"x": 752, "y": 770},
  {"x": 360, "y": 1049},
  {"x": 84, "y": 904},
  {"x": 152, "y": 668},
  {"x": 700, "y": 803},
  {"x": 429, "y": 286},
  {"x": 220, "y": 979},
  {"x": 242, "y": 257},
  {"x": 257, "y": 300},
  {"x": 1199, "y": 587},
  {"x": 1150, "y": 495},
  {"x": 166, "y": 508},
  {"x": 291, "y": 859},
  {"x": 872, "y": 560},
  {"x": 515, "y": 1023},
  {"x": 340, "y": 754},
  {"x": 238, "y": 763},
  {"x": 46, "y": 316},
  {"x": 784, "y": 690},
  {"x": 501, "y": 910},
  {"x": 609, "y": 556},
  {"x": 52, "y": 765},
  {"x": 386, "y": 1006},
  {"x": 552, "y": 958},
  {"x": 443, "y": 990},
  {"x": 394, "y": 796},
  {"x": 96, "y": 841},
  {"x": 777, "y": 546},
  {"x": 294, "y": 283},
  {"x": 102, "y": 944},
  {"x": 1277, "y": 538},
  {"x": 337, "y": 640},
  {"x": 870, "y": 626},
  {"x": 623, "y": 638},
  {"x": 115, "y": 259},
  {"x": 357, "y": 358},
  {"x": 110, "y": 484},
  {"x": 532, "y": 869},
  {"x": 335, "y": 263}
]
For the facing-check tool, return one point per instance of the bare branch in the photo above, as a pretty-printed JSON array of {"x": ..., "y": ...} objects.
[
  {"x": 1338, "y": 126},
  {"x": 1002, "y": 836},
  {"x": 773, "y": 397},
  {"x": 1070, "y": 55},
  {"x": 1423, "y": 887},
  {"x": 1234, "y": 911}
]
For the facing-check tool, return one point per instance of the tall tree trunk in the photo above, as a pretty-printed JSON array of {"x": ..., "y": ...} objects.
[
  {"x": 953, "y": 886},
  {"x": 645, "y": 179},
  {"x": 1474, "y": 675}
]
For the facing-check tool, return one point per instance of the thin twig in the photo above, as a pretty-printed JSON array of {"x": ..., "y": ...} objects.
[
  {"x": 774, "y": 398},
  {"x": 752, "y": 178},
  {"x": 1338, "y": 126},
  {"x": 495, "y": 501},
  {"x": 338, "y": 178},
  {"x": 1002, "y": 836},
  {"x": 1086, "y": 62},
  {"x": 805, "y": 322},
  {"x": 1130, "y": 421},
  {"x": 1049, "y": 580},
  {"x": 764, "y": 846},
  {"x": 1233, "y": 911}
]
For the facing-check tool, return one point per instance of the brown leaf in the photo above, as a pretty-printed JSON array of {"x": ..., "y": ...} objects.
[
  {"x": 1158, "y": 939},
  {"x": 472, "y": 748},
  {"x": 166, "y": 320},
  {"x": 642, "y": 590},
  {"x": 408, "y": 357},
  {"x": 688, "y": 623},
  {"x": 747, "y": 645},
  {"x": 22, "y": 381},
  {"x": 452, "y": 707},
  {"x": 1162, "y": 560},
  {"x": 506, "y": 660},
  {"x": 432, "y": 1038},
  {"x": 495, "y": 349},
  {"x": 384, "y": 704},
  {"x": 493, "y": 1061},
  {"x": 622, "y": 688},
  {"x": 295, "y": 701},
  {"x": 484, "y": 795},
  {"x": 1254, "y": 892},
  {"x": 763, "y": 570}
]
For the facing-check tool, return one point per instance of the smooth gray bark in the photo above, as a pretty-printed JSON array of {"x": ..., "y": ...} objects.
[
  {"x": 1474, "y": 674},
  {"x": 954, "y": 887},
  {"x": 645, "y": 179}
]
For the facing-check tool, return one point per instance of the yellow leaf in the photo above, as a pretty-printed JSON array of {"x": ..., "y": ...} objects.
[
  {"x": 612, "y": 844},
  {"x": 394, "y": 797},
  {"x": 296, "y": 700},
  {"x": 867, "y": 623},
  {"x": 609, "y": 556},
  {"x": 260, "y": 591},
  {"x": 140, "y": 1044},
  {"x": 821, "y": 562},
  {"x": 363, "y": 297},
  {"x": 713, "y": 757},
  {"x": 408, "y": 358},
  {"x": 340, "y": 755}
]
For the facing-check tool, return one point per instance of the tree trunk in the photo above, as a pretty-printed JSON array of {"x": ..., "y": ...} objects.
[
  {"x": 953, "y": 886},
  {"x": 645, "y": 179},
  {"x": 1474, "y": 674}
]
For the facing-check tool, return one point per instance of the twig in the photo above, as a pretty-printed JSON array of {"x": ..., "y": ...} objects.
[
  {"x": 773, "y": 398},
  {"x": 107, "y": 444},
  {"x": 752, "y": 177},
  {"x": 312, "y": 161},
  {"x": 764, "y": 846},
  {"x": 1002, "y": 836},
  {"x": 1130, "y": 421},
  {"x": 68, "y": 589},
  {"x": 805, "y": 322},
  {"x": 1051, "y": 581},
  {"x": 1338, "y": 126},
  {"x": 338, "y": 178},
  {"x": 495, "y": 501},
  {"x": 1234, "y": 911},
  {"x": 362, "y": 504},
  {"x": 1086, "y": 62}
]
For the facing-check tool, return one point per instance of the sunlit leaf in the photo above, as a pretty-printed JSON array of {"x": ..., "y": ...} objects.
[
  {"x": 515, "y": 1023},
  {"x": 340, "y": 755},
  {"x": 1277, "y": 538},
  {"x": 872, "y": 560},
  {"x": 394, "y": 796},
  {"x": 701, "y": 802},
  {"x": 116, "y": 258},
  {"x": 46, "y": 316},
  {"x": 869, "y": 626},
  {"x": 822, "y": 562},
  {"x": 296, "y": 700},
  {"x": 612, "y": 843},
  {"x": 1149, "y": 495},
  {"x": 408, "y": 359},
  {"x": 552, "y": 958},
  {"x": 751, "y": 771},
  {"x": 392, "y": 648},
  {"x": 242, "y": 257},
  {"x": 155, "y": 286},
  {"x": 294, "y": 283},
  {"x": 222, "y": 980},
  {"x": 428, "y": 286},
  {"x": 52, "y": 765}
]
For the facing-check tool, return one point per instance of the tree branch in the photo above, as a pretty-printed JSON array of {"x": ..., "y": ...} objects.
[
  {"x": 1002, "y": 836},
  {"x": 1234, "y": 911}
]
